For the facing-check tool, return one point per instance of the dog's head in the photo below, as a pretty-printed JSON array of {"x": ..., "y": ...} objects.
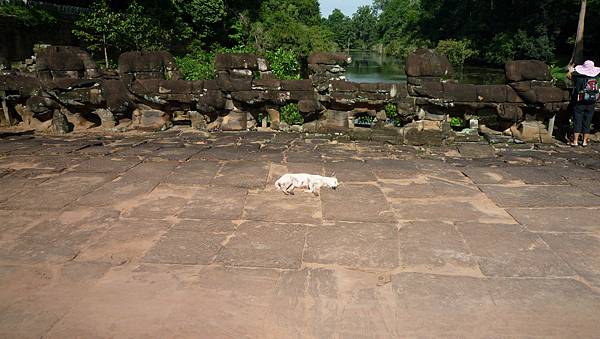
[{"x": 331, "y": 182}]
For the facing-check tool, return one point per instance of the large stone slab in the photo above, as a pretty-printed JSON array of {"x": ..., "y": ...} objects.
[
  {"x": 107, "y": 164},
  {"x": 490, "y": 175},
  {"x": 293, "y": 156},
  {"x": 194, "y": 173},
  {"x": 264, "y": 244},
  {"x": 14, "y": 223},
  {"x": 131, "y": 300},
  {"x": 478, "y": 208},
  {"x": 511, "y": 251},
  {"x": 425, "y": 188},
  {"x": 23, "y": 178},
  {"x": 352, "y": 202},
  {"x": 545, "y": 308},
  {"x": 214, "y": 202},
  {"x": 163, "y": 202},
  {"x": 540, "y": 196},
  {"x": 243, "y": 174},
  {"x": 191, "y": 242},
  {"x": 48, "y": 162},
  {"x": 331, "y": 303},
  {"x": 126, "y": 241},
  {"x": 588, "y": 185},
  {"x": 61, "y": 239},
  {"x": 569, "y": 220},
  {"x": 302, "y": 208},
  {"x": 175, "y": 153},
  {"x": 537, "y": 175},
  {"x": 369, "y": 245},
  {"x": 34, "y": 298},
  {"x": 227, "y": 302},
  {"x": 39, "y": 199},
  {"x": 350, "y": 171},
  {"x": 435, "y": 247},
  {"x": 76, "y": 183},
  {"x": 580, "y": 251},
  {"x": 438, "y": 306},
  {"x": 120, "y": 192}
]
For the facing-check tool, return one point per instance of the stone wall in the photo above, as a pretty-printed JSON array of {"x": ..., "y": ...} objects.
[{"x": 147, "y": 93}]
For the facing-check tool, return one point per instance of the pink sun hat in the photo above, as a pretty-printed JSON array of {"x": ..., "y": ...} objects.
[{"x": 588, "y": 68}]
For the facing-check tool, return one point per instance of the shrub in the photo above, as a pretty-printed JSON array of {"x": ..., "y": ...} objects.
[
  {"x": 520, "y": 45},
  {"x": 402, "y": 47},
  {"x": 457, "y": 122},
  {"x": 558, "y": 73},
  {"x": 196, "y": 66},
  {"x": 457, "y": 51},
  {"x": 199, "y": 63},
  {"x": 391, "y": 111},
  {"x": 284, "y": 64},
  {"x": 291, "y": 115}
]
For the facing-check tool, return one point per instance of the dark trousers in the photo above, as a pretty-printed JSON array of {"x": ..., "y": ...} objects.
[{"x": 582, "y": 118}]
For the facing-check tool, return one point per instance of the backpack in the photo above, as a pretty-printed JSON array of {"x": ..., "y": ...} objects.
[{"x": 589, "y": 93}]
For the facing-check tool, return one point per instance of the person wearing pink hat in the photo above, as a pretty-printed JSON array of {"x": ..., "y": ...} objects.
[{"x": 585, "y": 95}]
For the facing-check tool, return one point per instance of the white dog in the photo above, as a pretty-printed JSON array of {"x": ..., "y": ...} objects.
[{"x": 313, "y": 183}]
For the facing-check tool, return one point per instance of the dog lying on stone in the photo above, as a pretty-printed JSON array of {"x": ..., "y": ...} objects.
[{"x": 312, "y": 183}]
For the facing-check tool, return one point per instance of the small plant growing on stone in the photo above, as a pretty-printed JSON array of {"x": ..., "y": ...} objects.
[
  {"x": 457, "y": 123},
  {"x": 364, "y": 120},
  {"x": 262, "y": 116},
  {"x": 391, "y": 112},
  {"x": 291, "y": 115}
]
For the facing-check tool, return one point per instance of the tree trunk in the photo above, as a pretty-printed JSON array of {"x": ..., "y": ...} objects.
[
  {"x": 105, "y": 51},
  {"x": 577, "y": 57}
]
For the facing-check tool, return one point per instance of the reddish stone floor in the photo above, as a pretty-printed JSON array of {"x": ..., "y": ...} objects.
[{"x": 170, "y": 235}]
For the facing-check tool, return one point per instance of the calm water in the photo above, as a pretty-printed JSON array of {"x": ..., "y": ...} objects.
[{"x": 370, "y": 66}]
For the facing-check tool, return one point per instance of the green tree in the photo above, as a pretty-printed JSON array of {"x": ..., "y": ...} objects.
[
  {"x": 203, "y": 16},
  {"x": 399, "y": 26},
  {"x": 341, "y": 27},
  {"x": 364, "y": 24},
  {"x": 293, "y": 25},
  {"x": 99, "y": 29},
  {"x": 141, "y": 32}
]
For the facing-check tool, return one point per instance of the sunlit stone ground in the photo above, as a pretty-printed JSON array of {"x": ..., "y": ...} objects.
[{"x": 170, "y": 235}]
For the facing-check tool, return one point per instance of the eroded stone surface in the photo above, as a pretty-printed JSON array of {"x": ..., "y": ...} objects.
[
  {"x": 511, "y": 251},
  {"x": 353, "y": 244},
  {"x": 264, "y": 244}
]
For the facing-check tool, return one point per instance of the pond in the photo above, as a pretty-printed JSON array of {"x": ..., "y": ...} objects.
[{"x": 370, "y": 66}]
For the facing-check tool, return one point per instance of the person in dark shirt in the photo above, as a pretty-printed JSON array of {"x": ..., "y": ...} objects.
[{"x": 584, "y": 98}]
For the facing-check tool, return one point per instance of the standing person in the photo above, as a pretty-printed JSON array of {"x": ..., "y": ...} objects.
[{"x": 584, "y": 97}]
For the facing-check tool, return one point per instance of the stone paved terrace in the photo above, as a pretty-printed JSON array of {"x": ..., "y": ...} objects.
[{"x": 170, "y": 235}]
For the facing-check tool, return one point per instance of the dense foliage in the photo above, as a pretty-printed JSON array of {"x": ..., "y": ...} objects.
[
  {"x": 457, "y": 51},
  {"x": 28, "y": 16},
  {"x": 291, "y": 115},
  {"x": 285, "y": 31},
  {"x": 497, "y": 31},
  {"x": 284, "y": 64}
]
